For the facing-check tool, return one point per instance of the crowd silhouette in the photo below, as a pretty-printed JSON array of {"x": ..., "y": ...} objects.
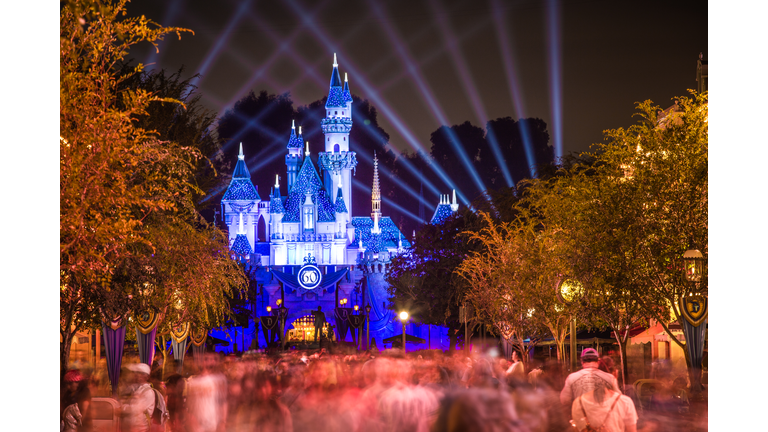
[{"x": 373, "y": 392}]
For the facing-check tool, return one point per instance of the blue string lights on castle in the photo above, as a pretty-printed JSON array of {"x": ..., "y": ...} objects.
[
  {"x": 308, "y": 182},
  {"x": 241, "y": 246},
  {"x": 314, "y": 219},
  {"x": 336, "y": 98},
  {"x": 444, "y": 210}
]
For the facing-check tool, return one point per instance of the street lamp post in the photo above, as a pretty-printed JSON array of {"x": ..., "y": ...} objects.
[
  {"x": 567, "y": 292},
  {"x": 357, "y": 330},
  {"x": 367, "y": 326},
  {"x": 694, "y": 308},
  {"x": 403, "y": 318}
]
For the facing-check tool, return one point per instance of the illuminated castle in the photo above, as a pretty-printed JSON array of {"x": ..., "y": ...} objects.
[
  {"x": 309, "y": 220},
  {"x": 313, "y": 218}
]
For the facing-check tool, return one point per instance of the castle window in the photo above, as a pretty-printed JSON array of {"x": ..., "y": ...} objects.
[
  {"x": 335, "y": 113},
  {"x": 345, "y": 138},
  {"x": 308, "y": 218},
  {"x": 335, "y": 148}
]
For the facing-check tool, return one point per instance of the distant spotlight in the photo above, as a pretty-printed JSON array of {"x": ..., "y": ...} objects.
[{"x": 553, "y": 37}]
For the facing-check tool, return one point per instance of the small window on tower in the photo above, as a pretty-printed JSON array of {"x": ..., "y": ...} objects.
[
  {"x": 345, "y": 138},
  {"x": 342, "y": 113},
  {"x": 335, "y": 113}
]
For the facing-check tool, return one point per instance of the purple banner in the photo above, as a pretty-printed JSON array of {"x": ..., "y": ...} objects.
[
  {"x": 114, "y": 340},
  {"x": 146, "y": 343}
]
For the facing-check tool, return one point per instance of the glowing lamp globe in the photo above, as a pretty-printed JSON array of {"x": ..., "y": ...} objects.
[
  {"x": 269, "y": 308},
  {"x": 368, "y": 308},
  {"x": 693, "y": 265},
  {"x": 279, "y": 302},
  {"x": 569, "y": 291},
  {"x": 357, "y": 308},
  {"x": 403, "y": 315}
]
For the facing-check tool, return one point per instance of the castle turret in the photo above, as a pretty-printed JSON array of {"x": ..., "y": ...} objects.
[
  {"x": 444, "y": 209},
  {"x": 342, "y": 215},
  {"x": 375, "y": 197},
  {"x": 240, "y": 208},
  {"x": 293, "y": 158},
  {"x": 337, "y": 159},
  {"x": 276, "y": 210}
]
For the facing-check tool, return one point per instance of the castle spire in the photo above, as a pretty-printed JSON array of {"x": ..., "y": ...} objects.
[
  {"x": 241, "y": 156},
  {"x": 335, "y": 78},
  {"x": 346, "y": 94},
  {"x": 294, "y": 142},
  {"x": 376, "y": 196},
  {"x": 306, "y": 152}
]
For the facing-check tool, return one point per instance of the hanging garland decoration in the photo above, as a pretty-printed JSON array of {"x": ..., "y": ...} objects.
[
  {"x": 179, "y": 332},
  {"x": 146, "y": 320},
  {"x": 199, "y": 335}
]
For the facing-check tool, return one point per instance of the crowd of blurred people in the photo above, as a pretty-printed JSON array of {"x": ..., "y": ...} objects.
[{"x": 385, "y": 391}]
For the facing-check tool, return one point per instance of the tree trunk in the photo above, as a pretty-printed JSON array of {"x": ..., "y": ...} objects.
[
  {"x": 453, "y": 339},
  {"x": 67, "y": 333},
  {"x": 64, "y": 350},
  {"x": 622, "y": 357},
  {"x": 164, "y": 351}
]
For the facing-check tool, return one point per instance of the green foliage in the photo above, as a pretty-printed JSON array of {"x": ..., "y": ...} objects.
[{"x": 422, "y": 280}]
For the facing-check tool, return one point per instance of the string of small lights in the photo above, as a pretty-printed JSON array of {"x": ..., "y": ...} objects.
[
  {"x": 308, "y": 181},
  {"x": 336, "y": 98},
  {"x": 340, "y": 206},
  {"x": 241, "y": 189},
  {"x": 241, "y": 246},
  {"x": 388, "y": 239},
  {"x": 442, "y": 213}
]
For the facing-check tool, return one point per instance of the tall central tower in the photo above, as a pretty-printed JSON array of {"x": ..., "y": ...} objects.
[{"x": 337, "y": 161}]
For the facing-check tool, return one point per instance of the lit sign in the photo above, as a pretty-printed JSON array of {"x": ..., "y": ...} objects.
[{"x": 309, "y": 276}]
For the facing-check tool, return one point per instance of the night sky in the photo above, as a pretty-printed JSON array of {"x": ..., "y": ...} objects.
[{"x": 427, "y": 63}]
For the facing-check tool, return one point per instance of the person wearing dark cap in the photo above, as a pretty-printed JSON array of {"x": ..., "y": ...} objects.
[{"x": 587, "y": 379}]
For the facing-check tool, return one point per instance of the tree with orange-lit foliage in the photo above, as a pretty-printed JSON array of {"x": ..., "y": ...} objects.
[{"x": 126, "y": 197}]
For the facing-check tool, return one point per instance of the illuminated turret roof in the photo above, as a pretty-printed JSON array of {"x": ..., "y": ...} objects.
[
  {"x": 241, "y": 246},
  {"x": 295, "y": 140},
  {"x": 308, "y": 180},
  {"x": 346, "y": 94},
  {"x": 241, "y": 188},
  {"x": 444, "y": 210},
  {"x": 388, "y": 238},
  {"x": 336, "y": 93},
  {"x": 340, "y": 207},
  {"x": 275, "y": 200}
]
